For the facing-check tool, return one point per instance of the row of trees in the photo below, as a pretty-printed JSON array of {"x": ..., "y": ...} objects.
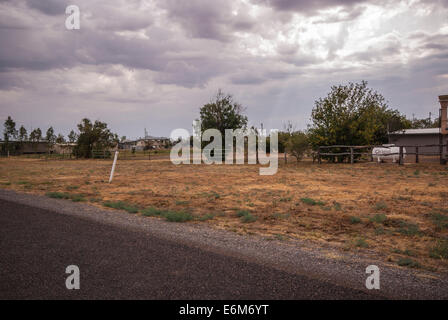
[
  {"x": 351, "y": 114},
  {"x": 10, "y": 133},
  {"x": 91, "y": 136}
]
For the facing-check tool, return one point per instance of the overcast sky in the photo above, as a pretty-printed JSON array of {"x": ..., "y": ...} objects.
[{"x": 137, "y": 64}]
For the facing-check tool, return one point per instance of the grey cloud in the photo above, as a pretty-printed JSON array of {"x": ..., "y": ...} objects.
[
  {"x": 306, "y": 6},
  {"x": 207, "y": 19},
  {"x": 135, "y": 59},
  {"x": 342, "y": 15},
  {"x": 246, "y": 78},
  {"x": 49, "y": 7}
]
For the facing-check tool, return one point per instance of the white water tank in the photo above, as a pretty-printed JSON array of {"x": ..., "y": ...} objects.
[{"x": 386, "y": 152}]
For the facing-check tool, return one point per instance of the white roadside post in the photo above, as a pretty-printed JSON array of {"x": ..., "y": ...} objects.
[{"x": 113, "y": 167}]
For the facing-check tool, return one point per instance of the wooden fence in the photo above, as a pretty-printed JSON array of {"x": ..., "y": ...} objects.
[{"x": 352, "y": 152}]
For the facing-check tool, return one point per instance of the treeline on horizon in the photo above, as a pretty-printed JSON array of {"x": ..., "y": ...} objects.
[{"x": 351, "y": 114}]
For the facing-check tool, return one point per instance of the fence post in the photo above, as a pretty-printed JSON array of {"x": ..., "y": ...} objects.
[
  {"x": 286, "y": 154},
  {"x": 400, "y": 160},
  {"x": 113, "y": 167},
  {"x": 441, "y": 154},
  {"x": 417, "y": 160},
  {"x": 352, "y": 160},
  {"x": 319, "y": 160}
]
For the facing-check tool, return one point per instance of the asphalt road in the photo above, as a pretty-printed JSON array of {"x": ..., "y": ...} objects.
[{"x": 37, "y": 245}]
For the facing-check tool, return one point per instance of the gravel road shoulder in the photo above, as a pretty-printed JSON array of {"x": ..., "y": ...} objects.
[{"x": 297, "y": 257}]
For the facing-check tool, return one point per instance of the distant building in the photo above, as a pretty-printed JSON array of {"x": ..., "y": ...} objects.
[
  {"x": 63, "y": 148},
  {"x": 147, "y": 143},
  {"x": 25, "y": 147},
  {"x": 418, "y": 137}
]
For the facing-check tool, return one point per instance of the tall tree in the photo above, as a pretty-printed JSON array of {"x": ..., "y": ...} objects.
[
  {"x": 352, "y": 114},
  {"x": 222, "y": 113},
  {"x": 93, "y": 136},
  {"x": 36, "y": 135},
  {"x": 10, "y": 130},
  {"x": 50, "y": 136},
  {"x": 72, "y": 136},
  {"x": 60, "y": 138},
  {"x": 23, "y": 134}
]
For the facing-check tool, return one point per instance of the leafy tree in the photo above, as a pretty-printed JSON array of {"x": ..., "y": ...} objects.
[
  {"x": 60, "y": 139},
  {"x": 93, "y": 136},
  {"x": 297, "y": 144},
  {"x": 72, "y": 137},
  {"x": 36, "y": 135},
  {"x": 284, "y": 135},
  {"x": 23, "y": 134},
  {"x": 10, "y": 130},
  {"x": 50, "y": 136},
  {"x": 222, "y": 113},
  {"x": 352, "y": 114},
  {"x": 424, "y": 123}
]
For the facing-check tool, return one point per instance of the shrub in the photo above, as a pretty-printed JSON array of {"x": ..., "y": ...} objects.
[
  {"x": 440, "y": 251},
  {"x": 64, "y": 195},
  {"x": 354, "y": 220},
  {"x": 77, "y": 198},
  {"x": 248, "y": 218},
  {"x": 312, "y": 202},
  {"x": 206, "y": 217},
  {"x": 361, "y": 243},
  {"x": 245, "y": 216},
  {"x": 408, "y": 229},
  {"x": 381, "y": 205},
  {"x": 57, "y": 195},
  {"x": 378, "y": 218},
  {"x": 121, "y": 205},
  {"x": 177, "y": 216},
  {"x": 151, "y": 212},
  {"x": 407, "y": 262},
  {"x": 242, "y": 213},
  {"x": 440, "y": 221},
  {"x": 337, "y": 206}
]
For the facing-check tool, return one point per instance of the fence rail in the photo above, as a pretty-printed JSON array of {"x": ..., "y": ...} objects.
[{"x": 401, "y": 153}]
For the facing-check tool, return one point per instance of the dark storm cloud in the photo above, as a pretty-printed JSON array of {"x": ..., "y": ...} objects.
[
  {"x": 49, "y": 7},
  {"x": 306, "y": 6},
  {"x": 207, "y": 19},
  {"x": 133, "y": 59}
]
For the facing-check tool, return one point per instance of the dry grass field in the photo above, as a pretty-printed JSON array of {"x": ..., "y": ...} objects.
[{"x": 398, "y": 213}]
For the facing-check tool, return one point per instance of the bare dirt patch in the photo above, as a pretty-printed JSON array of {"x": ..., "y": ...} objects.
[{"x": 400, "y": 213}]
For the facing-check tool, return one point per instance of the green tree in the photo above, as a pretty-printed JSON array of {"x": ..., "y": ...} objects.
[
  {"x": 72, "y": 136},
  {"x": 93, "y": 136},
  {"x": 50, "y": 136},
  {"x": 10, "y": 130},
  {"x": 424, "y": 123},
  {"x": 353, "y": 114},
  {"x": 284, "y": 136},
  {"x": 222, "y": 113},
  {"x": 36, "y": 135},
  {"x": 23, "y": 134},
  {"x": 297, "y": 144},
  {"x": 60, "y": 138}
]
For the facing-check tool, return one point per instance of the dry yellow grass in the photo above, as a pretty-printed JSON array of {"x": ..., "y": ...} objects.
[{"x": 395, "y": 212}]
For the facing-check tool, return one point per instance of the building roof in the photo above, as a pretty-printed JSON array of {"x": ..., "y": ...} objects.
[{"x": 418, "y": 131}]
